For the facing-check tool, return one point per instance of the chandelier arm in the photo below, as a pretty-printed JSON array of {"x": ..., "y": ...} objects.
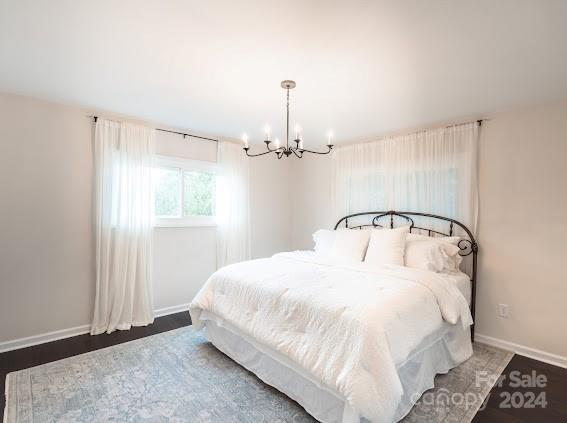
[
  {"x": 298, "y": 153},
  {"x": 275, "y": 150},
  {"x": 330, "y": 147},
  {"x": 258, "y": 154}
]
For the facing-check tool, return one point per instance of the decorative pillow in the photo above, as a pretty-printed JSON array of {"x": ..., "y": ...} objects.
[
  {"x": 350, "y": 244},
  {"x": 387, "y": 246},
  {"x": 324, "y": 239},
  {"x": 437, "y": 254}
]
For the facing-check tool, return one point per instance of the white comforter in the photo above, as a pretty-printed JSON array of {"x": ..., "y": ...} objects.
[{"x": 347, "y": 326}]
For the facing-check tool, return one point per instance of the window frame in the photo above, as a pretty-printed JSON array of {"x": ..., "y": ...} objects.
[{"x": 183, "y": 165}]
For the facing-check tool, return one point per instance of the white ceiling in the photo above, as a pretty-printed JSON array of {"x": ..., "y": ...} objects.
[{"x": 362, "y": 67}]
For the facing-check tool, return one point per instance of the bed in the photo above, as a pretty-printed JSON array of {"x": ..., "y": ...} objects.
[{"x": 347, "y": 341}]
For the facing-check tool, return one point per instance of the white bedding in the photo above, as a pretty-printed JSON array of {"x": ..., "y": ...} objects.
[{"x": 346, "y": 325}]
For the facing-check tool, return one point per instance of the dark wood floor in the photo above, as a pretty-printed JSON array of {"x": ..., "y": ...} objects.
[
  {"x": 500, "y": 409},
  {"x": 555, "y": 389}
]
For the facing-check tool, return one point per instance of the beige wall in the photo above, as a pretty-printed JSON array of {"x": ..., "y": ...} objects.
[
  {"x": 46, "y": 251},
  {"x": 312, "y": 200},
  {"x": 270, "y": 199},
  {"x": 46, "y": 243},
  {"x": 523, "y": 227},
  {"x": 522, "y": 224}
]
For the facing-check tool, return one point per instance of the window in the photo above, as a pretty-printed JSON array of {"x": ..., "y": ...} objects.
[{"x": 184, "y": 192}]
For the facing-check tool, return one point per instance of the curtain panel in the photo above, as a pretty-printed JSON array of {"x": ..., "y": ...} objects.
[
  {"x": 232, "y": 203},
  {"x": 432, "y": 171},
  {"x": 123, "y": 220}
]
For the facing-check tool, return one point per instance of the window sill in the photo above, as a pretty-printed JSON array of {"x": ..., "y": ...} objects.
[{"x": 185, "y": 223}]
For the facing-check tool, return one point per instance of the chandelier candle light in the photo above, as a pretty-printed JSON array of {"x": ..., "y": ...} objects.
[{"x": 286, "y": 149}]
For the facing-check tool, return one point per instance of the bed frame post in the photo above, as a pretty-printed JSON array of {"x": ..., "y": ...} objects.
[{"x": 474, "y": 248}]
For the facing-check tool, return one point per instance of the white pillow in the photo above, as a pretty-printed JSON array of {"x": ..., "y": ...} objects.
[
  {"x": 387, "y": 246},
  {"x": 437, "y": 254},
  {"x": 454, "y": 240},
  {"x": 324, "y": 239},
  {"x": 350, "y": 244}
]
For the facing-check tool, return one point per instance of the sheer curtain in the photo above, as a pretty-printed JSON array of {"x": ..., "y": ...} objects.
[
  {"x": 232, "y": 204},
  {"x": 123, "y": 201},
  {"x": 433, "y": 171}
]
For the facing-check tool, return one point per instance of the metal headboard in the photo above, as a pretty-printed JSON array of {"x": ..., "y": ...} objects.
[{"x": 467, "y": 245}]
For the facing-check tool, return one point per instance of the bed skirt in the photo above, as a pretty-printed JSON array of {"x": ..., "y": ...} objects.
[{"x": 438, "y": 353}]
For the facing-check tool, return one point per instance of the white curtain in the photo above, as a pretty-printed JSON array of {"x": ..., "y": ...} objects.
[
  {"x": 232, "y": 205},
  {"x": 433, "y": 171},
  {"x": 123, "y": 201}
]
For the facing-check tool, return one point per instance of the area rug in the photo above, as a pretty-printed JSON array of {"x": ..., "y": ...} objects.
[{"x": 178, "y": 376}]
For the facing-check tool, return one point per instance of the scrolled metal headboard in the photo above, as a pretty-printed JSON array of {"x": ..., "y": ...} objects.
[{"x": 467, "y": 244}]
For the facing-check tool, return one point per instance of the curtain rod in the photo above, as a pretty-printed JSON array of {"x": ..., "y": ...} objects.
[
  {"x": 479, "y": 121},
  {"x": 410, "y": 132},
  {"x": 174, "y": 132}
]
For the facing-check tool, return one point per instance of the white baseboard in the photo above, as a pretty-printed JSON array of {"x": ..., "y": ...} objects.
[
  {"x": 171, "y": 310},
  {"x": 43, "y": 338},
  {"x": 549, "y": 358},
  {"x": 30, "y": 341}
]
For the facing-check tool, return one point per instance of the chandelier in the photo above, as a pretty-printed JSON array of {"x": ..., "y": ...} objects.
[{"x": 287, "y": 149}]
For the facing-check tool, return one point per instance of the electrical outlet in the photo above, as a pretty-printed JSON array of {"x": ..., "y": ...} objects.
[{"x": 503, "y": 310}]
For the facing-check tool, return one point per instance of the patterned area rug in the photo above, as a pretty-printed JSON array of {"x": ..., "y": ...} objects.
[
  {"x": 179, "y": 376},
  {"x": 459, "y": 394}
]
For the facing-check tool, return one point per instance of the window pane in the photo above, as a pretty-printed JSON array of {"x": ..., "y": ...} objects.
[
  {"x": 167, "y": 192},
  {"x": 199, "y": 194}
]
